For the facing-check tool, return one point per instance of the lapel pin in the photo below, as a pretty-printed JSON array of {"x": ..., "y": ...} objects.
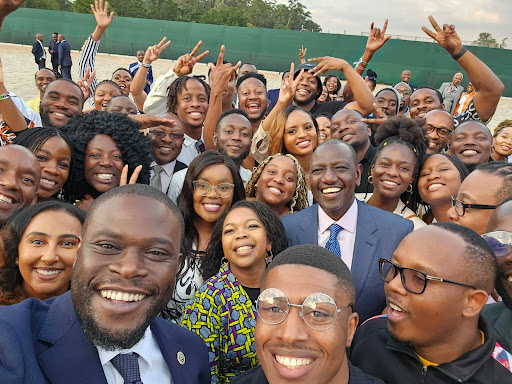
[{"x": 181, "y": 358}]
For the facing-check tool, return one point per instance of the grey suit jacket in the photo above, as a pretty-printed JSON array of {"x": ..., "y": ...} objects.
[
  {"x": 378, "y": 233},
  {"x": 449, "y": 104}
]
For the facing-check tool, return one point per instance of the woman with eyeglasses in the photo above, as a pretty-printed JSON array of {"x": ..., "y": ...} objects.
[
  {"x": 440, "y": 179},
  {"x": 395, "y": 166},
  {"x": 223, "y": 310},
  {"x": 211, "y": 186}
]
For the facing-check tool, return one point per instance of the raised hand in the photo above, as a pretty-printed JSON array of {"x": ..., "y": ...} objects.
[
  {"x": 1, "y": 72},
  {"x": 8, "y": 6},
  {"x": 221, "y": 73},
  {"x": 85, "y": 83},
  {"x": 289, "y": 86},
  {"x": 100, "y": 12},
  {"x": 153, "y": 52},
  {"x": 186, "y": 63},
  {"x": 327, "y": 63},
  {"x": 123, "y": 180},
  {"x": 379, "y": 116},
  {"x": 302, "y": 54},
  {"x": 377, "y": 37},
  {"x": 445, "y": 37},
  {"x": 149, "y": 121}
]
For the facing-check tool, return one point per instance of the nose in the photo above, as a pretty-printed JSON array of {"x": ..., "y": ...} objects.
[
  {"x": 129, "y": 264},
  {"x": 166, "y": 138},
  {"x": 452, "y": 215},
  {"x": 329, "y": 176},
  {"x": 301, "y": 133},
  {"x": 392, "y": 170},
  {"x": 106, "y": 161},
  {"x": 8, "y": 181},
  {"x": 235, "y": 135},
  {"x": 51, "y": 168},
  {"x": 278, "y": 178},
  {"x": 60, "y": 103},
  {"x": 293, "y": 328},
  {"x": 212, "y": 193},
  {"x": 396, "y": 285},
  {"x": 49, "y": 255}
]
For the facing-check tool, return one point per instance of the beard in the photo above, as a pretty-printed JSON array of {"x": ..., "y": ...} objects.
[
  {"x": 238, "y": 160},
  {"x": 100, "y": 334},
  {"x": 507, "y": 300},
  {"x": 398, "y": 340},
  {"x": 302, "y": 103},
  {"x": 45, "y": 118}
]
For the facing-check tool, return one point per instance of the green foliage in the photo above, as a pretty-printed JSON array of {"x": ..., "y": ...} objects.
[
  {"x": 485, "y": 39},
  {"x": 244, "y": 13}
]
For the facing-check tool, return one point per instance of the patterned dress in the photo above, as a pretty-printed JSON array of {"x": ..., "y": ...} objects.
[{"x": 222, "y": 313}]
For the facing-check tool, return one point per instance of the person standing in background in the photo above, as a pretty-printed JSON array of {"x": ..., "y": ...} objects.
[
  {"x": 64, "y": 57},
  {"x": 39, "y": 52},
  {"x": 53, "y": 48},
  {"x": 134, "y": 67}
]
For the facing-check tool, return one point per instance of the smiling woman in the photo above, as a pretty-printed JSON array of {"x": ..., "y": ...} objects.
[
  {"x": 40, "y": 246},
  {"x": 242, "y": 244}
]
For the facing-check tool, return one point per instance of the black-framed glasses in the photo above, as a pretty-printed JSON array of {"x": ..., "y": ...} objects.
[
  {"x": 500, "y": 242},
  {"x": 202, "y": 188},
  {"x": 441, "y": 132},
  {"x": 319, "y": 311},
  {"x": 414, "y": 281},
  {"x": 460, "y": 206}
]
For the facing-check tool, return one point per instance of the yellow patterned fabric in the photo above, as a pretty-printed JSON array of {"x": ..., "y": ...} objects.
[{"x": 222, "y": 313}]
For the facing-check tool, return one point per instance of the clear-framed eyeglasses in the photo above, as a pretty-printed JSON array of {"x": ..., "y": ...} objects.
[{"x": 319, "y": 311}]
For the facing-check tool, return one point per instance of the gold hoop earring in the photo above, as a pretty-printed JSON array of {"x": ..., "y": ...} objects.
[
  {"x": 370, "y": 179},
  {"x": 409, "y": 188}
]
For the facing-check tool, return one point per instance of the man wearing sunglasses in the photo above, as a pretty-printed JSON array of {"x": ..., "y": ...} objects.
[
  {"x": 479, "y": 195},
  {"x": 305, "y": 321},
  {"x": 436, "y": 285},
  {"x": 499, "y": 238}
]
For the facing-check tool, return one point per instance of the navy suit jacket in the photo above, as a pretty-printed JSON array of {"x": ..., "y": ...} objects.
[
  {"x": 54, "y": 46},
  {"x": 44, "y": 342},
  {"x": 37, "y": 51},
  {"x": 65, "y": 54},
  {"x": 378, "y": 234}
]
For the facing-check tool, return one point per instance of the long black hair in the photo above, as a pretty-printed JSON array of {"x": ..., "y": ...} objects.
[
  {"x": 11, "y": 281},
  {"x": 273, "y": 227}
]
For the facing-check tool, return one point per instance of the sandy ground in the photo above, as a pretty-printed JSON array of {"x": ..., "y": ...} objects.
[{"x": 19, "y": 70}]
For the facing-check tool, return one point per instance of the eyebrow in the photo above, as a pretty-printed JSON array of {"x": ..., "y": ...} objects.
[
  {"x": 402, "y": 162},
  {"x": 117, "y": 236},
  {"x": 417, "y": 267},
  {"x": 48, "y": 152},
  {"x": 47, "y": 235},
  {"x": 463, "y": 194},
  {"x": 223, "y": 181},
  {"x": 245, "y": 222}
]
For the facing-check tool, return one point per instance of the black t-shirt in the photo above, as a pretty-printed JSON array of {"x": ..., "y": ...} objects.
[
  {"x": 253, "y": 293},
  {"x": 330, "y": 107},
  {"x": 366, "y": 162}
]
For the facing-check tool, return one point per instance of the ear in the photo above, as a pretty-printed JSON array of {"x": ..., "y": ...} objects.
[
  {"x": 269, "y": 246},
  {"x": 474, "y": 302},
  {"x": 215, "y": 139},
  {"x": 359, "y": 171},
  {"x": 351, "y": 329}
]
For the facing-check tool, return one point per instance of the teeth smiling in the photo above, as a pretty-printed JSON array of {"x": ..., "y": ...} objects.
[
  {"x": 59, "y": 114},
  {"x": 244, "y": 248},
  {"x": 195, "y": 114},
  {"x": 395, "y": 308},
  {"x": 469, "y": 152},
  {"x": 432, "y": 186},
  {"x": 121, "y": 296},
  {"x": 48, "y": 272},
  {"x": 509, "y": 279},
  {"x": 292, "y": 362},
  {"x": 5, "y": 199},
  {"x": 49, "y": 182},
  {"x": 212, "y": 206},
  {"x": 331, "y": 190},
  {"x": 389, "y": 182},
  {"x": 105, "y": 176},
  {"x": 164, "y": 149},
  {"x": 274, "y": 190}
]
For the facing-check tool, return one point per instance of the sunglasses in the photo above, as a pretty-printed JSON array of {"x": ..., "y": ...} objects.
[{"x": 500, "y": 242}]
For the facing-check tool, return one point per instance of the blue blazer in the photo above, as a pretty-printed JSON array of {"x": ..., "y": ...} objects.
[
  {"x": 44, "y": 342},
  {"x": 378, "y": 234},
  {"x": 65, "y": 54}
]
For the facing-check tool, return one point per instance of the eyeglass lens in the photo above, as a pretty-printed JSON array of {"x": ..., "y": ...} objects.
[{"x": 413, "y": 281}]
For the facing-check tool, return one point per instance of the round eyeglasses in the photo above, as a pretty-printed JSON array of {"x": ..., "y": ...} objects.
[
  {"x": 500, "y": 242},
  {"x": 319, "y": 311},
  {"x": 202, "y": 188}
]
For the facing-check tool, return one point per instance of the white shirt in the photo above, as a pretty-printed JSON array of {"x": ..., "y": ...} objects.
[
  {"x": 346, "y": 237},
  {"x": 179, "y": 177},
  {"x": 152, "y": 365},
  {"x": 44, "y": 51},
  {"x": 165, "y": 175},
  {"x": 188, "y": 150}
]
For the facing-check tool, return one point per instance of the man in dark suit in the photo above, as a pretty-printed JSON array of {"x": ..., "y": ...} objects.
[
  {"x": 53, "y": 48},
  {"x": 123, "y": 277},
  {"x": 165, "y": 147},
  {"x": 39, "y": 52},
  {"x": 358, "y": 233},
  {"x": 64, "y": 59}
]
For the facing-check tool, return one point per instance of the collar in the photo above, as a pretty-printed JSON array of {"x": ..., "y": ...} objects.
[
  {"x": 466, "y": 366},
  {"x": 348, "y": 221},
  {"x": 190, "y": 141},
  {"x": 168, "y": 168},
  {"x": 370, "y": 154},
  {"x": 145, "y": 348}
]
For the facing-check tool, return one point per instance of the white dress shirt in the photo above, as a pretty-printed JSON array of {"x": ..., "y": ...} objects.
[
  {"x": 346, "y": 237},
  {"x": 165, "y": 175},
  {"x": 44, "y": 50},
  {"x": 188, "y": 150},
  {"x": 152, "y": 365}
]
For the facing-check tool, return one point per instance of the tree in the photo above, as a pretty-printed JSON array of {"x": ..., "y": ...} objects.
[
  {"x": 485, "y": 39},
  {"x": 43, "y": 4}
]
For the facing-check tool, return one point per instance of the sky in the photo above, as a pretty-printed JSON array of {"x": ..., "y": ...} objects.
[{"x": 406, "y": 17}]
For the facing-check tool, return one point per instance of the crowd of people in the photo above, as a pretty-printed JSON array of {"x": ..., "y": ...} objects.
[{"x": 209, "y": 230}]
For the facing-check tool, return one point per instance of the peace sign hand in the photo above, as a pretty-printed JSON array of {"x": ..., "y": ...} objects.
[
  {"x": 302, "y": 54},
  {"x": 123, "y": 180},
  {"x": 153, "y": 53},
  {"x": 380, "y": 116},
  {"x": 85, "y": 83},
  {"x": 289, "y": 86},
  {"x": 220, "y": 73},
  {"x": 446, "y": 37},
  {"x": 186, "y": 63}
]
